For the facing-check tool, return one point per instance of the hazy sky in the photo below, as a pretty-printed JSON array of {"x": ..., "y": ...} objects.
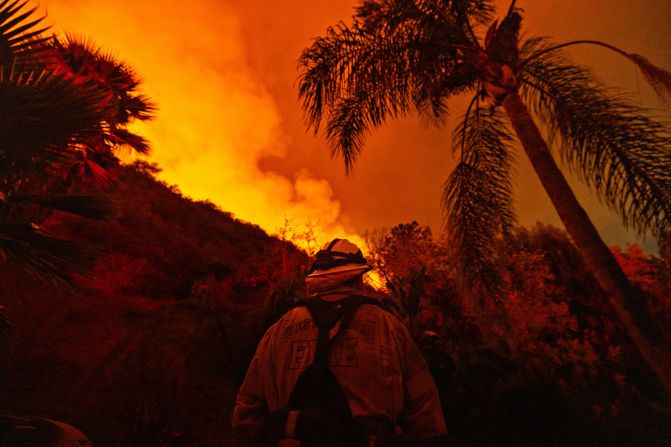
[{"x": 230, "y": 129}]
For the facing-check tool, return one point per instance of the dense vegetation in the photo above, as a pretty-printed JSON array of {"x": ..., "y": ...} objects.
[
  {"x": 149, "y": 345},
  {"x": 151, "y": 348},
  {"x": 547, "y": 365}
]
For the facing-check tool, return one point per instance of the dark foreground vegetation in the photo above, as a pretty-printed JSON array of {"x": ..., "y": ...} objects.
[{"x": 150, "y": 350}]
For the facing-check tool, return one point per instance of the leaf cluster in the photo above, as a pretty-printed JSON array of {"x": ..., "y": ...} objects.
[
  {"x": 478, "y": 199},
  {"x": 53, "y": 117},
  {"x": 610, "y": 142},
  {"x": 396, "y": 57}
]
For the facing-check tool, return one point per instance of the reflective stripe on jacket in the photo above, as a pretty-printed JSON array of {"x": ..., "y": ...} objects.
[{"x": 375, "y": 360}]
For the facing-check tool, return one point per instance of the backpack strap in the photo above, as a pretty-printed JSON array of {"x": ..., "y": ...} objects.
[{"x": 326, "y": 315}]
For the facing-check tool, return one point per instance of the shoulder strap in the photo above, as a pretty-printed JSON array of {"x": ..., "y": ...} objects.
[{"x": 326, "y": 314}]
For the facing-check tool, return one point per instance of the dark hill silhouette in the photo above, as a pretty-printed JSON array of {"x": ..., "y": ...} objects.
[{"x": 162, "y": 332}]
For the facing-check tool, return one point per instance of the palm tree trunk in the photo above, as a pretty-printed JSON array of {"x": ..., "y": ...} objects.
[{"x": 621, "y": 296}]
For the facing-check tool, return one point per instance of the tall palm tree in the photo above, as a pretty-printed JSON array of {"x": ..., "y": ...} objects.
[
  {"x": 403, "y": 56},
  {"x": 44, "y": 118}
]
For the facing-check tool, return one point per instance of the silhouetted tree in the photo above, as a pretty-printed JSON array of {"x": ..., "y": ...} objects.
[
  {"x": 400, "y": 56},
  {"x": 48, "y": 115},
  {"x": 83, "y": 63}
]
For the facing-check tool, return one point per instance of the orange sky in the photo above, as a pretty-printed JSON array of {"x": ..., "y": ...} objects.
[{"x": 229, "y": 126}]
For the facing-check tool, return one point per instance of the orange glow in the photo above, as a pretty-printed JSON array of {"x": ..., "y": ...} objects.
[
  {"x": 229, "y": 125},
  {"x": 215, "y": 120}
]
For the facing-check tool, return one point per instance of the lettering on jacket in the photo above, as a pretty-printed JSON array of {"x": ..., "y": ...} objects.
[
  {"x": 307, "y": 324},
  {"x": 342, "y": 354}
]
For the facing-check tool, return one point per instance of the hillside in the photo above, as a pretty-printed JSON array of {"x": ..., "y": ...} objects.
[
  {"x": 150, "y": 350},
  {"x": 149, "y": 343}
]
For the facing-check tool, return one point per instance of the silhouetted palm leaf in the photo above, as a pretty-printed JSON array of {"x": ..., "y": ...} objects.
[
  {"x": 397, "y": 56},
  {"x": 83, "y": 63},
  {"x": 85, "y": 205},
  {"x": 20, "y": 34},
  {"x": 610, "y": 142},
  {"x": 478, "y": 200},
  {"x": 41, "y": 116},
  {"x": 46, "y": 120},
  {"x": 658, "y": 78},
  {"x": 44, "y": 256},
  {"x": 119, "y": 137},
  {"x": 82, "y": 60}
]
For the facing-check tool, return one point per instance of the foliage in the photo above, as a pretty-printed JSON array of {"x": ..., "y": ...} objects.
[
  {"x": 83, "y": 63},
  {"x": 478, "y": 199},
  {"x": 555, "y": 368},
  {"x": 162, "y": 245},
  {"x": 172, "y": 315},
  {"x": 608, "y": 141},
  {"x": 405, "y": 256},
  {"x": 653, "y": 278},
  {"x": 52, "y": 113},
  {"x": 399, "y": 57}
]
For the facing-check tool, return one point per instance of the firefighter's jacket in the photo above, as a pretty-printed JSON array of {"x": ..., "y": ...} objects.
[{"x": 375, "y": 360}]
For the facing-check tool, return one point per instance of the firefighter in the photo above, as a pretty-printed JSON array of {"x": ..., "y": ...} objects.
[{"x": 339, "y": 370}]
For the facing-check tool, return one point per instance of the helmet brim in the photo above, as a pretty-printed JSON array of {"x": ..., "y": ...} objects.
[{"x": 341, "y": 268}]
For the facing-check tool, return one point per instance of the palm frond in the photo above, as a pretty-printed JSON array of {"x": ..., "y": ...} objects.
[
  {"x": 658, "y": 77},
  {"x": 348, "y": 63},
  {"x": 41, "y": 116},
  {"x": 83, "y": 61},
  {"x": 611, "y": 143},
  {"x": 348, "y": 123},
  {"x": 480, "y": 12},
  {"x": 20, "y": 32},
  {"x": 44, "y": 256},
  {"x": 137, "y": 106},
  {"x": 124, "y": 137},
  {"x": 478, "y": 200},
  {"x": 87, "y": 205},
  {"x": 432, "y": 91},
  {"x": 396, "y": 57}
]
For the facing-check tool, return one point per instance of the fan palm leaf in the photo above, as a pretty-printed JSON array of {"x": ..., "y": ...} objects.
[
  {"x": 20, "y": 32},
  {"x": 42, "y": 116},
  {"x": 80, "y": 59},
  {"x": 48, "y": 118},
  {"x": 83, "y": 63},
  {"x": 44, "y": 256}
]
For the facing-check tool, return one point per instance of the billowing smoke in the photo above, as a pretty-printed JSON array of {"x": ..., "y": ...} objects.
[
  {"x": 222, "y": 72},
  {"x": 215, "y": 120}
]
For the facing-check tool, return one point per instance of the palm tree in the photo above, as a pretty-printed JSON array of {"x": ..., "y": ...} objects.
[
  {"x": 403, "y": 56},
  {"x": 82, "y": 62},
  {"x": 44, "y": 118}
]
